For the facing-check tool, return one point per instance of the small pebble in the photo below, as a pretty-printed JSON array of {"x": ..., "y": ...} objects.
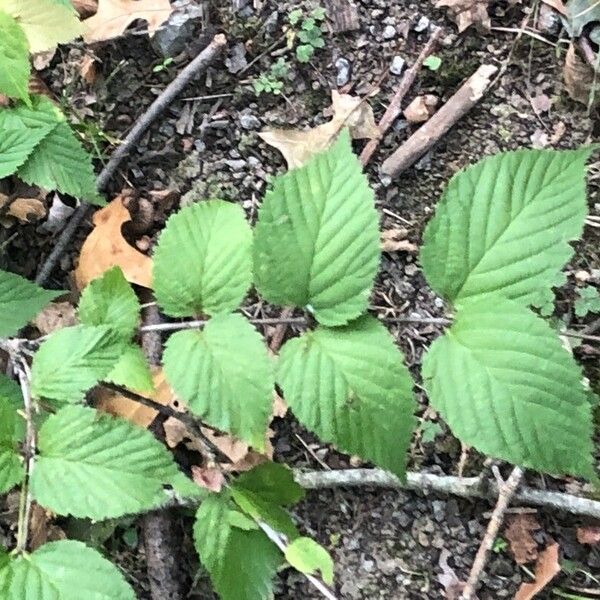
[
  {"x": 422, "y": 24},
  {"x": 397, "y": 66},
  {"x": 344, "y": 70},
  {"x": 389, "y": 33},
  {"x": 249, "y": 121}
]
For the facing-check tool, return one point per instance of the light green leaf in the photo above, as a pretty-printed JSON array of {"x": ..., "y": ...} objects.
[
  {"x": 16, "y": 145},
  {"x": 241, "y": 563},
  {"x": 588, "y": 301},
  {"x": 272, "y": 482},
  {"x": 306, "y": 556},
  {"x": 20, "y": 301},
  {"x": 11, "y": 467},
  {"x": 241, "y": 521},
  {"x": 225, "y": 375},
  {"x": 46, "y": 23},
  {"x": 14, "y": 59},
  {"x": 202, "y": 262},
  {"x": 504, "y": 224},
  {"x": 350, "y": 387},
  {"x": 11, "y": 401},
  {"x": 58, "y": 161},
  {"x": 316, "y": 243},
  {"x": 110, "y": 300},
  {"x": 95, "y": 466},
  {"x": 132, "y": 371},
  {"x": 505, "y": 385},
  {"x": 74, "y": 359},
  {"x": 65, "y": 570}
]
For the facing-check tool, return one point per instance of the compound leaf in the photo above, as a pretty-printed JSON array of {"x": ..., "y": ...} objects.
[
  {"x": 58, "y": 161},
  {"x": 504, "y": 224},
  {"x": 306, "y": 556},
  {"x": 20, "y": 301},
  {"x": 241, "y": 562},
  {"x": 14, "y": 59},
  {"x": 350, "y": 387},
  {"x": 95, "y": 466},
  {"x": 202, "y": 262},
  {"x": 46, "y": 23},
  {"x": 505, "y": 385},
  {"x": 316, "y": 242},
  {"x": 110, "y": 300},
  {"x": 74, "y": 359},
  {"x": 225, "y": 375},
  {"x": 54, "y": 572}
]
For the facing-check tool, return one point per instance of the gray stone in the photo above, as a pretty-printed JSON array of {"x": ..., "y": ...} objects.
[
  {"x": 422, "y": 24},
  {"x": 397, "y": 66},
  {"x": 344, "y": 70},
  {"x": 236, "y": 60},
  {"x": 389, "y": 33},
  {"x": 235, "y": 165},
  {"x": 173, "y": 36},
  {"x": 248, "y": 121}
]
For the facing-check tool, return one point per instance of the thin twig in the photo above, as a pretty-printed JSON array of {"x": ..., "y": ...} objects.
[
  {"x": 506, "y": 493},
  {"x": 395, "y": 107},
  {"x": 168, "y": 95},
  {"x": 278, "y": 540}
]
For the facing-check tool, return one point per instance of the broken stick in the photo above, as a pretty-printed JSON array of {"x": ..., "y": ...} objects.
[{"x": 467, "y": 96}]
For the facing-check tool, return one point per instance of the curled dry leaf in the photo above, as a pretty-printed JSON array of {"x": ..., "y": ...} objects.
[
  {"x": 394, "y": 240},
  {"x": 87, "y": 69},
  {"x": 519, "y": 535},
  {"x": 579, "y": 78},
  {"x": 588, "y": 535},
  {"x": 55, "y": 316},
  {"x": 25, "y": 210},
  {"x": 421, "y": 108},
  {"x": 467, "y": 12},
  {"x": 113, "y": 17},
  {"x": 297, "y": 146},
  {"x": 106, "y": 247},
  {"x": 546, "y": 568}
]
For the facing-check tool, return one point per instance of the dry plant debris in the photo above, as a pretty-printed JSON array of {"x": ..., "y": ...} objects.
[
  {"x": 546, "y": 568},
  {"x": 519, "y": 532},
  {"x": 467, "y": 12}
]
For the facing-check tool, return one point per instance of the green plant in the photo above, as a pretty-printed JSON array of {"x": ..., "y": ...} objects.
[
  {"x": 37, "y": 143},
  {"x": 588, "y": 301},
  {"x": 498, "y": 376},
  {"x": 433, "y": 63},
  {"x": 272, "y": 82},
  {"x": 162, "y": 65},
  {"x": 305, "y": 32}
]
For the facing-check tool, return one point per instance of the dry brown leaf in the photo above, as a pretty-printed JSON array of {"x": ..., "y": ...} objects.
[
  {"x": 209, "y": 478},
  {"x": 297, "y": 146},
  {"x": 452, "y": 585},
  {"x": 42, "y": 529},
  {"x": 467, "y": 12},
  {"x": 113, "y": 17},
  {"x": 85, "y": 8},
  {"x": 588, "y": 535},
  {"x": 421, "y": 108},
  {"x": 87, "y": 70},
  {"x": 26, "y": 210},
  {"x": 120, "y": 406},
  {"x": 106, "y": 247},
  {"x": 519, "y": 535},
  {"x": 557, "y": 5},
  {"x": 394, "y": 240},
  {"x": 546, "y": 568},
  {"x": 579, "y": 78},
  {"x": 55, "y": 316}
]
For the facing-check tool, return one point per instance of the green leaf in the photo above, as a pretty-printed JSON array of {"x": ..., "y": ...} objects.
[
  {"x": 306, "y": 556},
  {"x": 505, "y": 385},
  {"x": 588, "y": 301},
  {"x": 202, "y": 262},
  {"x": 11, "y": 397},
  {"x": 433, "y": 63},
  {"x": 74, "y": 359},
  {"x": 241, "y": 521},
  {"x": 241, "y": 563},
  {"x": 110, "y": 300},
  {"x": 58, "y": 161},
  {"x": 272, "y": 482},
  {"x": 95, "y": 466},
  {"x": 11, "y": 467},
  {"x": 225, "y": 375},
  {"x": 16, "y": 145},
  {"x": 132, "y": 371},
  {"x": 350, "y": 387},
  {"x": 65, "y": 570},
  {"x": 14, "y": 59},
  {"x": 20, "y": 301},
  {"x": 46, "y": 23},
  {"x": 504, "y": 224},
  {"x": 316, "y": 242}
]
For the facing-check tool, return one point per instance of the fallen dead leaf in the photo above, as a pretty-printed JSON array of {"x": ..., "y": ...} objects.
[
  {"x": 209, "y": 478},
  {"x": 541, "y": 103},
  {"x": 42, "y": 529},
  {"x": 120, "y": 406},
  {"x": 25, "y": 210},
  {"x": 588, "y": 535},
  {"x": 85, "y": 8},
  {"x": 452, "y": 585},
  {"x": 113, "y": 17},
  {"x": 579, "y": 78},
  {"x": 87, "y": 69},
  {"x": 519, "y": 535},
  {"x": 557, "y": 5},
  {"x": 467, "y": 12},
  {"x": 297, "y": 146},
  {"x": 106, "y": 247},
  {"x": 55, "y": 316},
  {"x": 421, "y": 108},
  {"x": 546, "y": 568},
  {"x": 394, "y": 240}
]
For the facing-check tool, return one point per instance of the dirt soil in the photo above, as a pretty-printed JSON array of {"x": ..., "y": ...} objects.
[{"x": 385, "y": 544}]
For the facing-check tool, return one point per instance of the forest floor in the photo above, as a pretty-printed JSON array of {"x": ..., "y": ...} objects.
[{"x": 385, "y": 544}]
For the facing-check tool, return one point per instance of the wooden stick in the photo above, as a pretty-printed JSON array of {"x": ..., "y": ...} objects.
[
  {"x": 395, "y": 108},
  {"x": 467, "y": 96}
]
